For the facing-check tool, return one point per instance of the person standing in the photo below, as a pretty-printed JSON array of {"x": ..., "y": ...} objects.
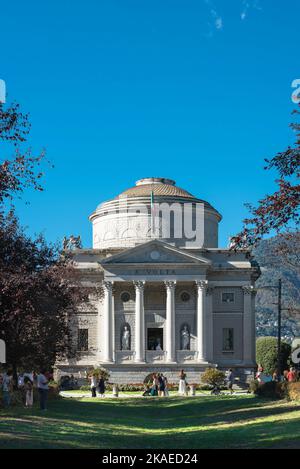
[
  {"x": 93, "y": 384},
  {"x": 182, "y": 383},
  {"x": 6, "y": 388},
  {"x": 165, "y": 380},
  {"x": 161, "y": 385},
  {"x": 291, "y": 376},
  {"x": 42, "y": 384},
  {"x": 101, "y": 386},
  {"x": 230, "y": 380},
  {"x": 28, "y": 386}
]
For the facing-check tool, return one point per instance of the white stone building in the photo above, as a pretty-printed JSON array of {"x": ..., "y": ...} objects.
[{"x": 169, "y": 301}]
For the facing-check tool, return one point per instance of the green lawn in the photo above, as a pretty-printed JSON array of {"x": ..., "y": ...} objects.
[{"x": 199, "y": 422}]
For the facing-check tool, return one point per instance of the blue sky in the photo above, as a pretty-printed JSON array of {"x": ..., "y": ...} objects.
[{"x": 195, "y": 90}]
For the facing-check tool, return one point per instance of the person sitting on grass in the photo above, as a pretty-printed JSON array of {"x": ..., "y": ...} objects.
[{"x": 147, "y": 390}]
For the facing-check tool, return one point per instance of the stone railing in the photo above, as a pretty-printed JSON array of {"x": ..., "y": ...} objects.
[
  {"x": 186, "y": 356},
  {"x": 155, "y": 356},
  {"x": 124, "y": 356}
]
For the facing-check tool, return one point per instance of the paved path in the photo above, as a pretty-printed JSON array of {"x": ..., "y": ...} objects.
[{"x": 124, "y": 395}]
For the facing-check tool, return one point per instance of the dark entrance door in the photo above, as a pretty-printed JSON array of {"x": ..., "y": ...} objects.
[{"x": 155, "y": 338}]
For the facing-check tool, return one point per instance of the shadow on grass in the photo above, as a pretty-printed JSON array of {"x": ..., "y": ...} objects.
[{"x": 209, "y": 422}]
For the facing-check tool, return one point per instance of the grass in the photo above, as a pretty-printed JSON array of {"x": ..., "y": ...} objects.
[{"x": 199, "y": 422}]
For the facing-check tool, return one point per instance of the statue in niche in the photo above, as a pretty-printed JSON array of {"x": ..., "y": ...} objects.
[
  {"x": 185, "y": 338},
  {"x": 125, "y": 338}
]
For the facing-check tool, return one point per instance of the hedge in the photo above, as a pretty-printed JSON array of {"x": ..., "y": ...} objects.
[
  {"x": 266, "y": 354},
  {"x": 275, "y": 390}
]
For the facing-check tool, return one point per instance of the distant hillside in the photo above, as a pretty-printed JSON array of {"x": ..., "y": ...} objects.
[{"x": 273, "y": 267}]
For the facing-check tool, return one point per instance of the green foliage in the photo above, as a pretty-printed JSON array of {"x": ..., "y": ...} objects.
[
  {"x": 213, "y": 377},
  {"x": 275, "y": 390},
  {"x": 266, "y": 354},
  {"x": 271, "y": 390},
  {"x": 99, "y": 372}
]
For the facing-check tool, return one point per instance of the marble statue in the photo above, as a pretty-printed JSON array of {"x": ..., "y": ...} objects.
[
  {"x": 73, "y": 242},
  {"x": 125, "y": 340},
  {"x": 185, "y": 338},
  {"x": 158, "y": 345}
]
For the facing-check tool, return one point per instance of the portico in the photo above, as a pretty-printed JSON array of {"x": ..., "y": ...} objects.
[{"x": 169, "y": 354}]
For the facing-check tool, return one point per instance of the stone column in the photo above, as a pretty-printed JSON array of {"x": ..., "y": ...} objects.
[
  {"x": 139, "y": 322},
  {"x": 170, "y": 321},
  {"x": 201, "y": 332},
  {"x": 209, "y": 334},
  {"x": 248, "y": 326},
  {"x": 108, "y": 318}
]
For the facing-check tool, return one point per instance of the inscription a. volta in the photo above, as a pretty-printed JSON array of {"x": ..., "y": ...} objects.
[{"x": 155, "y": 272}]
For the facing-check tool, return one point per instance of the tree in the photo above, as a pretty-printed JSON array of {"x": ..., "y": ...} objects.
[
  {"x": 266, "y": 354},
  {"x": 38, "y": 290},
  {"x": 22, "y": 169},
  {"x": 38, "y": 286},
  {"x": 276, "y": 211}
]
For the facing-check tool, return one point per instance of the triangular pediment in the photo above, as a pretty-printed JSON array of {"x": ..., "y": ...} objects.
[{"x": 155, "y": 252}]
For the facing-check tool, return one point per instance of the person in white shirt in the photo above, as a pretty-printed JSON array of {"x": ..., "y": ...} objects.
[
  {"x": 42, "y": 384},
  {"x": 94, "y": 385}
]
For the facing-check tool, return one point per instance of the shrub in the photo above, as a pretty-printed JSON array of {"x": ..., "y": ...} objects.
[
  {"x": 266, "y": 354},
  {"x": 293, "y": 391},
  {"x": 272, "y": 389},
  {"x": 99, "y": 372},
  {"x": 213, "y": 377}
]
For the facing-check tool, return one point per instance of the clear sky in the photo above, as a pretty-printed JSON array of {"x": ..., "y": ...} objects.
[{"x": 194, "y": 90}]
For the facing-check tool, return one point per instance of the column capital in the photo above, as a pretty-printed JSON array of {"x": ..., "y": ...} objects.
[
  {"x": 201, "y": 284},
  {"x": 248, "y": 289},
  {"x": 139, "y": 284},
  {"x": 170, "y": 284},
  {"x": 107, "y": 285}
]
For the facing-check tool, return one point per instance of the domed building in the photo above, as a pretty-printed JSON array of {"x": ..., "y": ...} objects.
[{"x": 171, "y": 298}]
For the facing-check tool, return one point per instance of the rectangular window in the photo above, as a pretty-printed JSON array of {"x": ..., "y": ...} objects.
[
  {"x": 227, "y": 297},
  {"x": 83, "y": 340},
  {"x": 228, "y": 342}
]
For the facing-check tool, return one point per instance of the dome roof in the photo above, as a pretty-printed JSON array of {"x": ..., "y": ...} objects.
[
  {"x": 128, "y": 219},
  {"x": 157, "y": 186}
]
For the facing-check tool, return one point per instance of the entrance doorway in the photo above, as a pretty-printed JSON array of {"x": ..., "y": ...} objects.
[{"x": 155, "y": 338}]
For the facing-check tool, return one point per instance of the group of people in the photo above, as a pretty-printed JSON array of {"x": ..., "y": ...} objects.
[
  {"x": 25, "y": 382},
  {"x": 158, "y": 386},
  {"x": 291, "y": 375},
  {"x": 97, "y": 383}
]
